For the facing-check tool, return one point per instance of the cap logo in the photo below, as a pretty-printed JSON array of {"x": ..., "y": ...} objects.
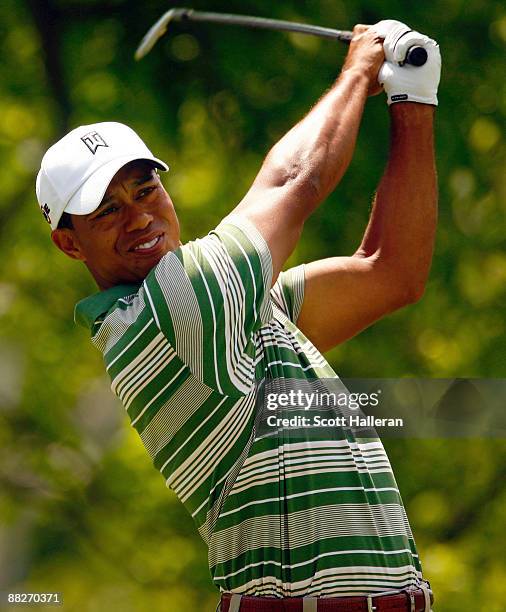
[
  {"x": 45, "y": 211},
  {"x": 93, "y": 140}
]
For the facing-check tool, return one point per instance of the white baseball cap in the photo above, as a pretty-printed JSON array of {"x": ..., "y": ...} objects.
[{"x": 76, "y": 171}]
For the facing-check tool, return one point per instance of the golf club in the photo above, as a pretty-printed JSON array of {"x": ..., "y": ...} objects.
[{"x": 416, "y": 55}]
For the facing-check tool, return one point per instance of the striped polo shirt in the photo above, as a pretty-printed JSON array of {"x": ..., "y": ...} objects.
[{"x": 282, "y": 515}]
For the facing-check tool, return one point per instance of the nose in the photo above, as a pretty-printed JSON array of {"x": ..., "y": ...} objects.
[{"x": 137, "y": 219}]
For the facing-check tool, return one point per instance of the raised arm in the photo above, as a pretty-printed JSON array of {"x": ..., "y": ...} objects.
[
  {"x": 308, "y": 162},
  {"x": 343, "y": 295}
]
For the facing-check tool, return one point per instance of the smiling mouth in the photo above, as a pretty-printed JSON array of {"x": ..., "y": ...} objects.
[{"x": 148, "y": 247}]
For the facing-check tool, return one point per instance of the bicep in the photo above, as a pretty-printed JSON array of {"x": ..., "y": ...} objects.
[{"x": 343, "y": 296}]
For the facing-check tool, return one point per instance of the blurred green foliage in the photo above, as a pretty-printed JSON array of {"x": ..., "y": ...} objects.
[{"x": 82, "y": 511}]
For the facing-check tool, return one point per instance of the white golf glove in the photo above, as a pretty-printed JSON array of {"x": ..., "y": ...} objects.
[{"x": 404, "y": 82}]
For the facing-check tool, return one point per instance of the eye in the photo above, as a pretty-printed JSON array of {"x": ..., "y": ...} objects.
[
  {"x": 146, "y": 191},
  {"x": 107, "y": 211}
]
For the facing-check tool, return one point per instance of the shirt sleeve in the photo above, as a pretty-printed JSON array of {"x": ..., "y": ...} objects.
[
  {"x": 288, "y": 292},
  {"x": 209, "y": 297}
]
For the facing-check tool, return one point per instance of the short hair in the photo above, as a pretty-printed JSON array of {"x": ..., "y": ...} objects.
[{"x": 65, "y": 221}]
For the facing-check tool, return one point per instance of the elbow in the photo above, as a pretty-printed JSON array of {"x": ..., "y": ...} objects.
[
  {"x": 404, "y": 280},
  {"x": 402, "y": 285},
  {"x": 408, "y": 290},
  {"x": 415, "y": 279},
  {"x": 304, "y": 184},
  {"x": 298, "y": 174},
  {"x": 415, "y": 292}
]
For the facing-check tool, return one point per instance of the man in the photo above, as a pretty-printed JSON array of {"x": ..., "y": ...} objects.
[{"x": 188, "y": 330}]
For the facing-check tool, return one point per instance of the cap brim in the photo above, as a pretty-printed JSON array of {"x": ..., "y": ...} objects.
[{"x": 88, "y": 197}]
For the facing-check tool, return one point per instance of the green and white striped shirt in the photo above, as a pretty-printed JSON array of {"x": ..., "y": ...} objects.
[{"x": 281, "y": 517}]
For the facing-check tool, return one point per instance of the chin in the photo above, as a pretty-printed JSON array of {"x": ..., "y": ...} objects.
[{"x": 147, "y": 266}]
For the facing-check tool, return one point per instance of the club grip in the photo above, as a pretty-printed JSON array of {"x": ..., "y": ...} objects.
[{"x": 416, "y": 56}]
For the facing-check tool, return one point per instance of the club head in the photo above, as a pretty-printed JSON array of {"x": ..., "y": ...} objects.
[{"x": 158, "y": 30}]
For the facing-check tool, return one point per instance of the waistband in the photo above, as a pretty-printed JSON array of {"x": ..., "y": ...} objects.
[{"x": 409, "y": 600}]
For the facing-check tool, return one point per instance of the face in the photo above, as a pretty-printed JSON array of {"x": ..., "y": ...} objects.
[{"x": 127, "y": 235}]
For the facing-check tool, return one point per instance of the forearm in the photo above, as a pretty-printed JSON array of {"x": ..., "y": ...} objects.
[
  {"x": 311, "y": 158},
  {"x": 318, "y": 150},
  {"x": 401, "y": 230},
  {"x": 307, "y": 163},
  {"x": 304, "y": 166}
]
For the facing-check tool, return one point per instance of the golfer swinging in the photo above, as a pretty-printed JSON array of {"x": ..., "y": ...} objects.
[{"x": 188, "y": 330}]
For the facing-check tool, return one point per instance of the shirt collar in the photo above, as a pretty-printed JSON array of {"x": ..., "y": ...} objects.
[{"x": 87, "y": 311}]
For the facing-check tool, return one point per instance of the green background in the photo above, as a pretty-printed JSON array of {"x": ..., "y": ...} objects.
[{"x": 82, "y": 511}]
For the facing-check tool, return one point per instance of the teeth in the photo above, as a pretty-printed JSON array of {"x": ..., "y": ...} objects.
[{"x": 147, "y": 245}]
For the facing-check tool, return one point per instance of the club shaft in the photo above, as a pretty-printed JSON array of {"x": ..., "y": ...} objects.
[{"x": 263, "y": 23}]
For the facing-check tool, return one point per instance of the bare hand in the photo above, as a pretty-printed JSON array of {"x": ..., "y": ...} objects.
[{"x": 366, "y": 54}]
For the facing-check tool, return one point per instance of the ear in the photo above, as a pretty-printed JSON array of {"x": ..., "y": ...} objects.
[{"x": 66, "y": 240}]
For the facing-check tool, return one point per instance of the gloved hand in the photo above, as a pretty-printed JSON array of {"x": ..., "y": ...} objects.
[{"x": 403, "y": 82}]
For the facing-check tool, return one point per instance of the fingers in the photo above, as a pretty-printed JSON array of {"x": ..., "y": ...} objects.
[
  {"x": 360, "y": 28},
  {"x": 398, "y": 38},
  {"x": 388, "y": 27},
  {"x": 362, "y": 32},
  {"x": 366, "y": 53},
  {"x": 410, "y": 39}
]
